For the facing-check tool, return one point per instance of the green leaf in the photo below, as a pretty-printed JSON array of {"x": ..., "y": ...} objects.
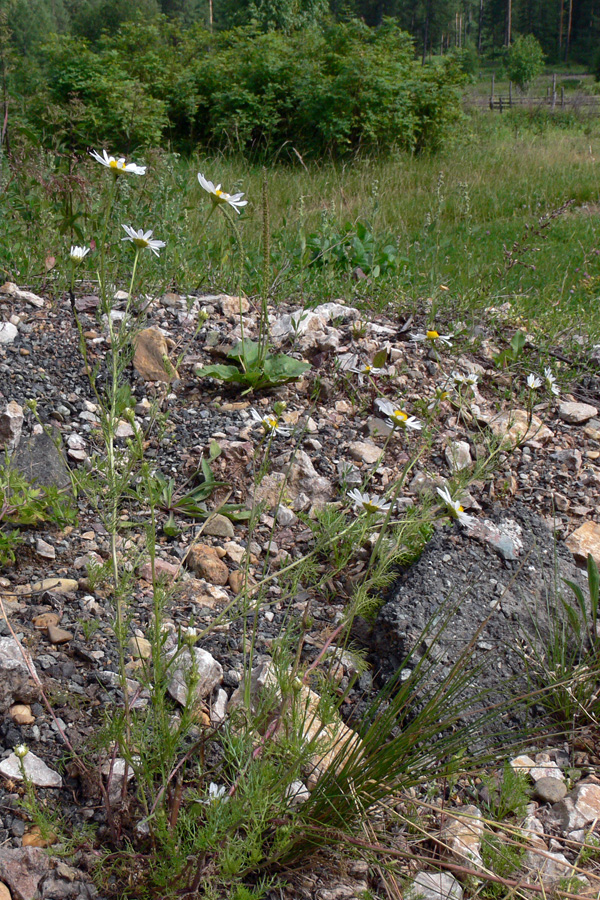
[
  {"x": 247, "y": 352},
  {"x": 380, "y": 359},
  {"x": 593, "y": 585}
]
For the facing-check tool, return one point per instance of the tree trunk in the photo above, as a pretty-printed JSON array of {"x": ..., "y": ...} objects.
[
  {"x": 425, "y": 35},
  {"x": 480, "y": 28},
  {"x": 569, "y": 24},
  {"x": 508, "y": 32},
  {"x": 560, "y": 24}
]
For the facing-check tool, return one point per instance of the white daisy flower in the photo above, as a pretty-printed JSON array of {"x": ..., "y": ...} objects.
[
  {"x": 216, "y": 792},
  {"x": 270, "y": 423},
  {"x": 21, "y": 751},
  {"x": 117, "y": 165},
  {"x": 190, "y": 634},
  {"x": 219, "y": 197},
  {"x": 459, "y": 378},
  {"x": 369, "y": 504},
  {"x": 397, "y": 418},
  {"x": 78, "y": 254},
  {"x": 433, "y": 337},
  {"x": 142, "y": 239},
  {"x": 440, "y": 395},
  {"x": 551, "y": 381},
  {"x": 365, "y": 369},
  {"x": 454, "y": 508},
  {"x": 533, "y": 382}
]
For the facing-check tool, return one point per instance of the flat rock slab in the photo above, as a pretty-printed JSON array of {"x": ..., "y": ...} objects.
[
  {"x": 22, "y": 870},
  {"x": 151, "y": 359},
  {"x": 576, "y": 413},
  {"x": 515, "y": 425},
  {"x": 207, "y": 674},
  {"x": 433, "y": 886},
  {"x": 471, "y": 584}
]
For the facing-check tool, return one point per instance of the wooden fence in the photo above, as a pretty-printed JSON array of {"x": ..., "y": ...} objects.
[{"x": 553, "y": 99}]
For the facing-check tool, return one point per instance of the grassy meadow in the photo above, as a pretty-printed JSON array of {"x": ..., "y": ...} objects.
[{"x": 467, "y": 218}]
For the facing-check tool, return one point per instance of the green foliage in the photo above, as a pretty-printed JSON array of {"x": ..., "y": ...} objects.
[
  {"x": 255, "y": 370},
  {"x": 338, "y": 90},
  {"x": 23, "y": 504},
  {"x": 578, "y": 617},
  {"x": 355, "y": 245},
  {"x": 513, "y": 352},
  {"x": 524, "y": 60},
  {"x": 511, "y": 796}
]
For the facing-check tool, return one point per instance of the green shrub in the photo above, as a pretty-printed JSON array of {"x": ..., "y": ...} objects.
[{"x": 524, "y": 60}]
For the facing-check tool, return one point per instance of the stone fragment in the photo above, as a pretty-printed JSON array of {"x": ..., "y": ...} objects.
[
  {"x": 58, "y": 635},
  {"x": 205, "y": 672},
  {"x": 271, "y": 490},
  {"x": 164, "y": 571},
  {"x": 8, "y": 332},
  {"x": 36, "y": 770},
  {"x": 23, "y": 869},
  {"x": 238, "y": 580},
  {"x": 433, "y": 886},
  {"x": 13, "y": 291},
  {"x": 204, "y": 561},
  {"x": 592, "y": 429},
  {"x": 584, "y": 540},
  {"x": 39, "y": 461},
  {"x": 461, "y": 837},
  {"x": 576, "y": 413},
  {"x": 21, "y": 714},
  {"x": 546, "y": 866},
  {"x": 232, "y": 306},
  {"x": 285, "y": 516},
  {"x": 219, "y": 526},
  {"x": 514, "y": 425},
  {"x": 124, "y": 429},
  {"x": 114, "y": 771},
  {"x": 218, "y": 710},
  {"x": 45, "y": 550},
  {"x": 11, "y": 424},
  {"x": 578, "y": 808},
  {"x": 140, "y": 647},
  {"x": 365, "y": 451},
  {"x": 35, "y": 838},
  {"x": 45, "y": 619},
  {"x": 304, "y": 479},
  {"x": 522, "y": 764},
  {"x": 505, "y": 538},
  {"x": 16, "y": 681},
  {"x": 4, "y": 892},
  {"x": 297, "y": 793},
  {"x": 54, "y": 585},
  {"x": 546, "y": 768},
  {"x": 458, "y": 455},
  {"x": 550, "y": 790},
  {"x": 151, "y": 358}
]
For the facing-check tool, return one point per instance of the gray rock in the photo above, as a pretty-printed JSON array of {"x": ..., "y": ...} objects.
[
  {"x": 433, "y": 886},
  {"x": 304, "y": 479},
  {"x": 285, "y": 516},
  {"x": 550, "y": 790},
  {"x": 40, "y": 462},
  {"x": 36, "y": 770},
  {"x": 16, "y": 681},
  {"x": 207, "y": 673}
]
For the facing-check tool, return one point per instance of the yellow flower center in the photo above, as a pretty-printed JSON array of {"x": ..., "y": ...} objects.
[
  {"x": 270, "y": 422},
  {"x": 113, "y": 164},
  {"x": 399, "y": 416},
  {"x": 219, "y": 192},
  {"x": 370, "y": 507},
  {"x": 140, "y": 242},
  {"x": 432, "y": 335},
  {"x": 461, "y": 509}
]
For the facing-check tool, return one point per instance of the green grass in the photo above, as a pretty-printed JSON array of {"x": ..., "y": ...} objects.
[{"x": 451, "y": 216}]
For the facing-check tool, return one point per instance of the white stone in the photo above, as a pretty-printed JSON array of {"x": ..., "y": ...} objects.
[
  {"x": 433, "y": 886},
  {"x": 576, "y": 413},
  {"x": 44, "y": 549},
  {"x": 11, "y": 424},
  {"x": 365, "y": 451},
  {"x": 207, "y": 674},
  {"x": 8, "y": 332},
  {"x": 36, "y": 770},
  {"x": 218, "y": 710},
  {"x": 458, "y": 455}
]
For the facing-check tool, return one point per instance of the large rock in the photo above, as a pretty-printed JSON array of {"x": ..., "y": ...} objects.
[
  {"x": 38, "y": 459},
  {"x": 469, "y": 585},
  {"x": 205, "y": 562},
  {"x": 461, "y": 836},
  {"x": 584, "y": 540},
  {"x": 433, "y": 886},
  {"x": 580, "y": 807},
  {"x": 303, "y": 478},
  {"x": 151, "y": 359},
  {"x": 16, "y": 681},
  {"x": 576, "y": 413}
]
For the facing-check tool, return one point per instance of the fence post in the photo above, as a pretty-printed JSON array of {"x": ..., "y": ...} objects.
[
  {"x": 553, "y": 90},
  {"x": 562, "y": 97},
  {"x": 510, "y": 94},
  {"x": 500, "y": 104},
  {"x": 492, "y": 93}
]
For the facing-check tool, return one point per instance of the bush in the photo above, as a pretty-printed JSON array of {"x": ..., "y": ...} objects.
[
  {"x": 524, "y": 60},
  {"x": 336, "y": 91}
]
